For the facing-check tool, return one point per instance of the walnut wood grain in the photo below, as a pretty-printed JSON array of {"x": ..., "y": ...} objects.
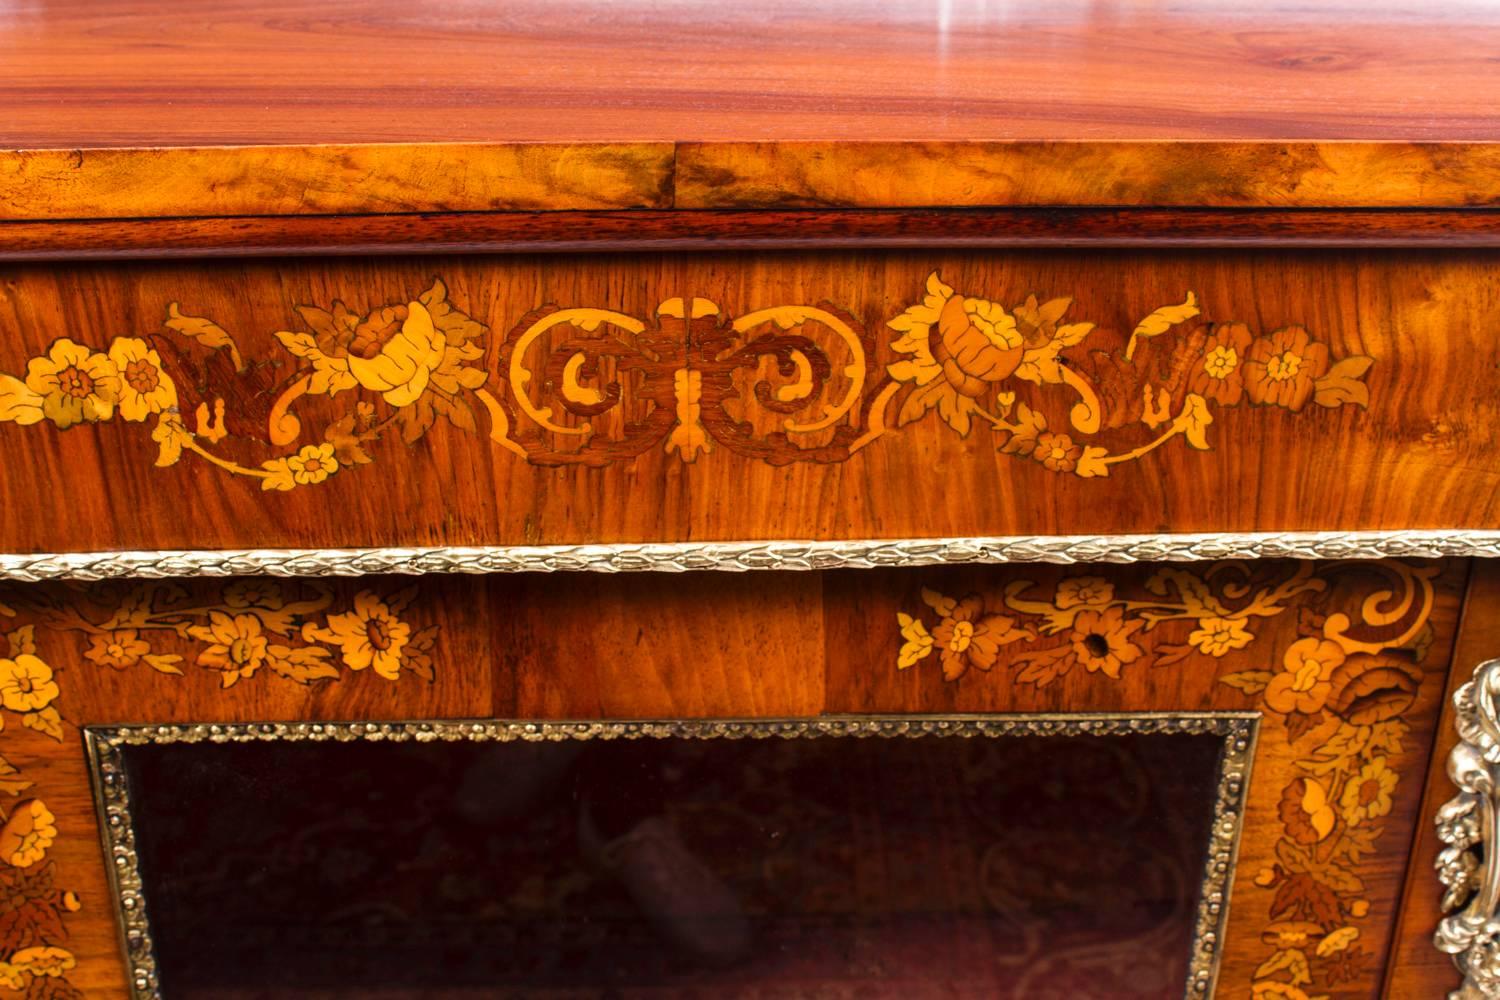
[
  {"x": 668, "y": 230},
  {"x": 1419, "y": 455},
  {"x": 371, "y": 106},
  {"x": 960, "y": 174},
  {"x": 1255, "y": 927},
  {"x": 716, "y": 645},
  {"x": 177, "y": 73}
]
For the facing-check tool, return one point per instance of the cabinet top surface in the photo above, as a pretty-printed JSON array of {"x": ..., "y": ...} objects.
[{"x": 90, "y": 74}]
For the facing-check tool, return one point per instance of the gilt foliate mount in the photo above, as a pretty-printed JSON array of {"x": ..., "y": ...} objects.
[{"x": 596, "y": 387}]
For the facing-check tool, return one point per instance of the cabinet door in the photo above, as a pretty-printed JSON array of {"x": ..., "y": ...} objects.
[{"x": 1329, "y": 673}]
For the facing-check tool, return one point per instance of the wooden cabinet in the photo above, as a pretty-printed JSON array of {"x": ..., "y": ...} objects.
[{"x": 768, "y": 500}]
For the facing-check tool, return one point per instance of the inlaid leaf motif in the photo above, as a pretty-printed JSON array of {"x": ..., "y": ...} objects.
[
  {"x": 204, "y": 331},
  {"x": 1160, "y": 321},
  {"x": 1291, "y": 961},
  {"x": 1344, "y": 383}
]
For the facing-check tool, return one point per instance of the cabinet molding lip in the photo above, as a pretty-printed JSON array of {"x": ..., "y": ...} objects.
[{"x": 741, "y": 556}]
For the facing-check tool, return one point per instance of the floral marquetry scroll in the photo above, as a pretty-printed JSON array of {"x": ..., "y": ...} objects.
[
  {"x": 1340, "y": 688},
  {"x": 238, "y": 632},
  {"x": 594, "y": 386}
]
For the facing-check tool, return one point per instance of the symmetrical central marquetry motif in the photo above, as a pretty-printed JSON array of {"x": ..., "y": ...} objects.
[{"x": 781, "y": 384}]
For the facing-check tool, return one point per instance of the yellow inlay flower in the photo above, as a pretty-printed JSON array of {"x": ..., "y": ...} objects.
[
  {"x": 26, "y": 684},
  {"x": 1305, "y": 679},
  {"x": 118, "y": 649},
  {"x": 25, "y": 837},
  {"x": 369, "y": 636},
  {"x": 1057, "y": 452},
  {"x": 404, "y": 364},
  {"x": 1368, "y": 795},
  {"x": 1281, "y": 369},
  {"x": 1217, "y": 636},
  {"x": 313, "y": 464},
  {"x": 1101, "y": 641},
  {"x": 44, "y": 961},
  {"x": 76, "y": 384},
  {"x": 144, "y": 387},
  {"x": 1221, "y": 361},
  {"x": 977, "y": 344},
  {"x": 1220, "y": 376},
  {"x": 237, "y": 645},
  {"x": 1084, "y": 591},
  {"x": 967, "y": 637}
]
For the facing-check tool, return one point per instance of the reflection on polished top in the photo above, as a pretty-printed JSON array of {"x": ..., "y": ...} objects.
[
  {"x": 177, "y": 72},
  {"x": 177, "y": 109}
]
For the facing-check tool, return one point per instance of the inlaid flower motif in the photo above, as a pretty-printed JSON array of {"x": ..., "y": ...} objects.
[
  {"x": 76, "y": 384},
  {"x": 395, "y": 355},
  {"x": 1368, "y": 794},
  {"x": 144, "y": 387},
  {"x": 310, "y": 466},
  {"x": 237, "y": 645},
  {"x": 1218, "y": 636},
  {"x": 1280, "y": 369},
  {"x": 958, "y": 349},
  {"x": 45, "y": 960},
  {"x": 967, "y": 637},
  {"x": 408, "y": 352},
  {"x": 1057, "y": 452},
  {"x": 1101, "y": 641},
  {"x": 117, "y": 649},
  {"x": 371, "y": 635},
  {"x": 977, "y": 344},
  {"x": 26, "y": 684},
  {"x": 1083, "y": 591},
  {"x": 313, "y": 464},
  {"x": 1219, "y": 374},
  {"x": 26, "y": 836},
  {"x": 1306, "y": 812},
  {"x": 1305, "y": 680}
]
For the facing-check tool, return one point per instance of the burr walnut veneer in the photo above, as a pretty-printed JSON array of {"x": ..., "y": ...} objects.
[{"x": 1099, "y": 373}]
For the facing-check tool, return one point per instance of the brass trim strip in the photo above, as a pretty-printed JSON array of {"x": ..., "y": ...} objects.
[
  {"x": 677, "y": 557},
  {"x": 112, "y": 793}
]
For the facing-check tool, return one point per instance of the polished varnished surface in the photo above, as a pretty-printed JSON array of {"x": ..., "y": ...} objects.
[
  {"x": 84, "y": 74},
  {"x": 1227, "y": 638},
  {"x": 176, "y": 109},
  {"x": 795, "y": 402}
]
